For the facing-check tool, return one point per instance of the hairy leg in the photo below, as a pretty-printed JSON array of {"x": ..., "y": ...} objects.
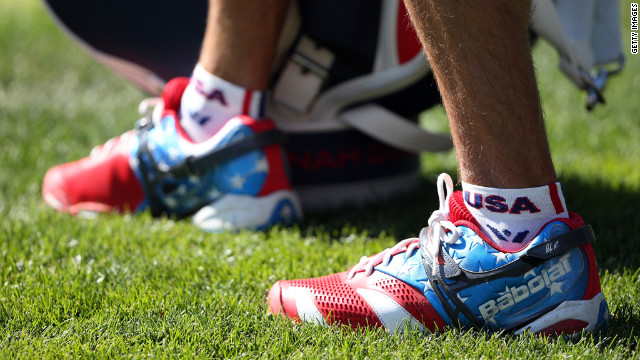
[
  {"x": 240, "y": 40},
  {"x": 481, "y": 58}
]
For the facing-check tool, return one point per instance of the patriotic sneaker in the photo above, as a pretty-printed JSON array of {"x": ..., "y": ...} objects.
[
  {"x": 236, "y": 179},
  {"x": 452, "y": 276}
]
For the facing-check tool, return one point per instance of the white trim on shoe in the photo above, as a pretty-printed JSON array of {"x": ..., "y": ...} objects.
[
  {"x": 237, "y": 211},
  {"x": 392, "y": 315},
  {"x": 307, "y": 309},
  {"x": 587, "y": 311}
]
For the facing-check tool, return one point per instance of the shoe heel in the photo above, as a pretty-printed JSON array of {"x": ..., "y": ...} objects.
[
  {"x": 236, "y": 211},
  {"x": 571, "y": 317}
]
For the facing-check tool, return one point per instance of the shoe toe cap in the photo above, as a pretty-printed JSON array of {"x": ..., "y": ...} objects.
[
  {"x": 92, "y": 185},
  {"x": 54, "y": 189},
  {"x": 275, "y": 299},
  {"x": 294, "y": 302}
]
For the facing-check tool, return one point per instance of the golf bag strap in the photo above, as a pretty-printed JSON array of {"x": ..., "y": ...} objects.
[
  {"x": 392, "y": 129},
  {"x": 301, "y": 83},
  {"x": 303, "y": 75}
]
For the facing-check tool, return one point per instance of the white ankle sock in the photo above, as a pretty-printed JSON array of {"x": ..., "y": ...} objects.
[
  {"x": 513, "y": 217},
  {"x": 209, "y": 102}
]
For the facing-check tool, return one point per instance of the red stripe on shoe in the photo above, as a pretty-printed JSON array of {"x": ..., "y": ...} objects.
[
  {"x": 277, "y": 178},
  {"x": 593, "y": 286},
  {"x": 569, "y": 326},
  {"x": 411, "y": 299},
  {"x": 337, "y": 301}
]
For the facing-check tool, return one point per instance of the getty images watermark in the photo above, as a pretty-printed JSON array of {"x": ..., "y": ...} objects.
[{"x": 634, "y": 28}]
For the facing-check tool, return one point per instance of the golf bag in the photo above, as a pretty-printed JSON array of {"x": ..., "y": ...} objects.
[{"x": 347, "y": 86}]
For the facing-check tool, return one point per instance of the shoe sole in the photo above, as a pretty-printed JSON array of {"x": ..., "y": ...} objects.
[
  {"x": 571, "y": 317},
  {"x": 85, "y": 209},
  {"x": 235, "y": 211}
]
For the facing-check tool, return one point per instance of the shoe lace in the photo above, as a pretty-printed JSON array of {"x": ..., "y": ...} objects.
[
  {"x": 151, "y": 111},
  {"x": 436, "y": 233},
  {"x": 439, "y": 222},
  {"x": 384, "y": 257}
]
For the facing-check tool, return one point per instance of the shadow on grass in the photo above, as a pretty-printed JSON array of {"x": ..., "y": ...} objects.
[
  {"x": 623, "y": 328},
  {"x": 614, "y": 217},
  {"x": 399, "y": 217},
  {"x": 610, "y": 211}
]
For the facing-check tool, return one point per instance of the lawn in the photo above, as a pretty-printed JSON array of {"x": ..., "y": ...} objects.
[{"x": 133, "y": 286}]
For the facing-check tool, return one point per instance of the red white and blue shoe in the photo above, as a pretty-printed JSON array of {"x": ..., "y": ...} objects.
[
  {"x": 236, "y": 179},
  {"x": 452, "y": 276}
]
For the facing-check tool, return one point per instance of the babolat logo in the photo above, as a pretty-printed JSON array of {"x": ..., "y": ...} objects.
[{"x": 546, "y": 280}]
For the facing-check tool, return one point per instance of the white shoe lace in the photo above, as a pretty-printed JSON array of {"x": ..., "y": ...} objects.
[
  {"x": 368, "y": 263},
  {"x": 439, "y": 221},
  {"x": 151, "y": 110},
  {"x": 436, "y": 234}
]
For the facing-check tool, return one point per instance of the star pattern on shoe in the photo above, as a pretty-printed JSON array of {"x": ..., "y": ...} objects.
[
  {"x": 407, "y": 266},
  {"x": 475, "y": 242},
  {"x": 174, "y": 153},
  {"x": 286, "y": 212},
  {"x": 456, "y": 258},
  {"x": 470, "y": 254},
  {"x": 171, "y": 202},
  {"x": 262, "y": 165},
  {"x": 181, "y": 190},
  {"x": 480, "y": 269},
  {"x": 214, "y": 193},
  {"x": 163, "y": 166},
  {"x": 500, "y": 257},
  {"x": 556, "y": 288},
  {"x": 426, "y": 284},
  {"x": 505, "y": 292},
  {"x": 237, "y": 182},
  {"x": 462, "y": 299}
]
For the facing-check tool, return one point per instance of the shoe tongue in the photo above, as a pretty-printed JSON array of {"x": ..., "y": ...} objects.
[
  {"x": 458, "y": 211},
  {"x": 172, "y": 93}
]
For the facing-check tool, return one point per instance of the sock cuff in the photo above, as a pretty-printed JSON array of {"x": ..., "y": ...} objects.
[
  {"x": 535, "y": 202},
  {"x": 512, "y": 217},
  {"x": 235, "y": 98}
]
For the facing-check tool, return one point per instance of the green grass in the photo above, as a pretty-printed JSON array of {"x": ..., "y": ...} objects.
[{"x": 139, "y": 287}]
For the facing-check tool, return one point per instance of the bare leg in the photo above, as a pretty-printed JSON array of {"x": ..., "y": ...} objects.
[
  {"x": 480, "y": 54},
  {"x": 240, "y": 40}
]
